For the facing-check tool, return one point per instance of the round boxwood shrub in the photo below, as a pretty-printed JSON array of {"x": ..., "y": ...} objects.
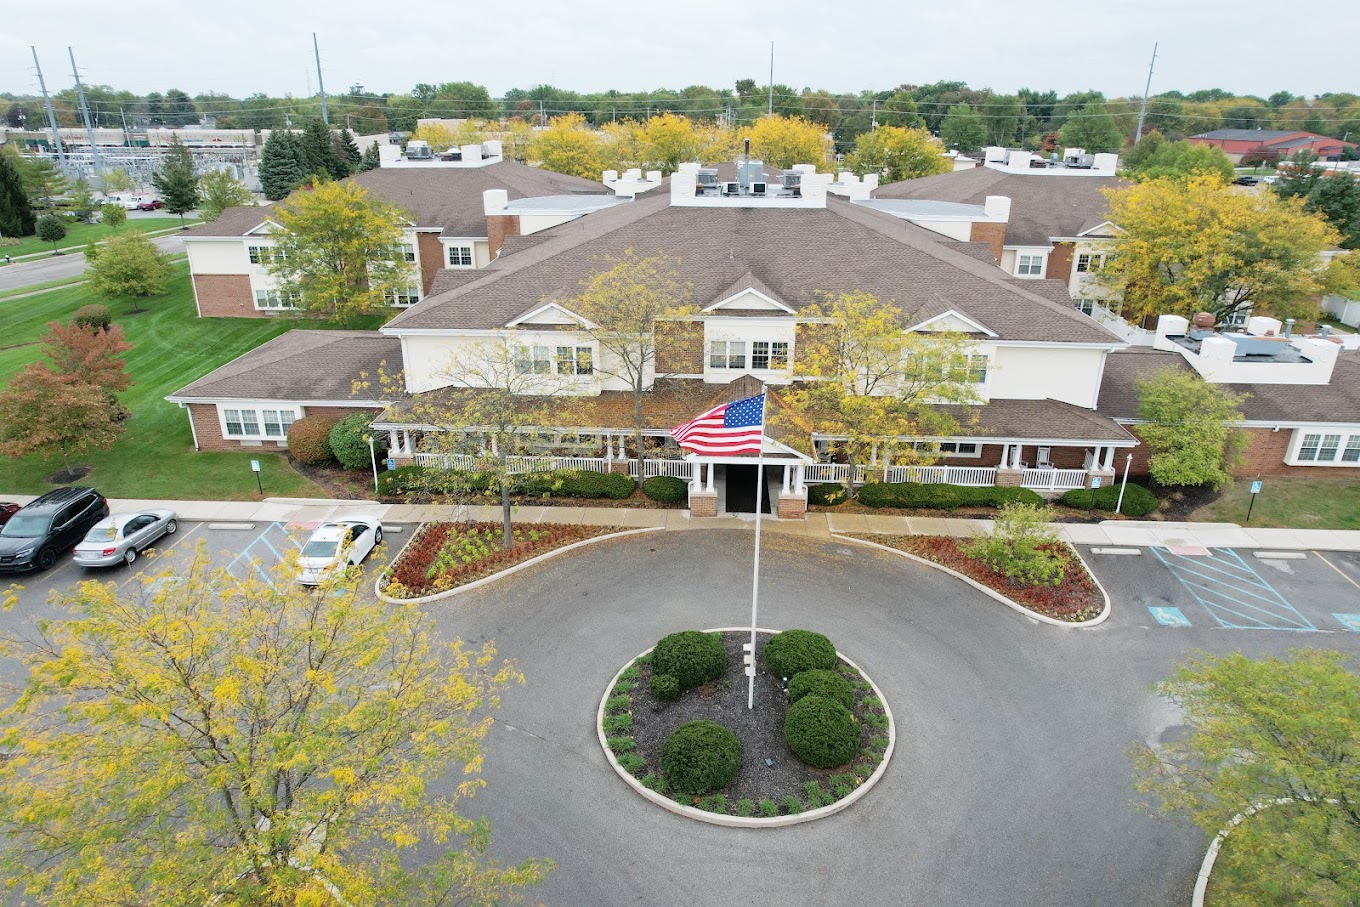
[
  {"x": 826, "y": 495},
  {"x": 309, "y": 440},
  {"x": 821, "y": 732},
  {"x": 793, "y": 651},
  {"x": 93, "y": 316},
  {"x": 1138, "y": 501},
  {"x": 699, "y": 757},
  {"x": 826, "y": 684},
  {"x": 348, "y": 444},
  {"x": 666, "y": 489},
  {"x": 691, "y": 656},
  {"x": 665, "y": 687}
]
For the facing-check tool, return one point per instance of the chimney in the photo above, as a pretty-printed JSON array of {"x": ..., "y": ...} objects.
[
  {"x": 499, "y": 224},
  {"x": 996, "y": 212}
]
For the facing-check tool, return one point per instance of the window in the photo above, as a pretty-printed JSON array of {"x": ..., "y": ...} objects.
[
  {"x": 1352, "y": 452},
  {"x": 247, "y": 423},
  {"x": 408, "y": 252},
  {"x": 971, "y": 369},
  {"x": 276, "y": 422},
  {"x": 460, "y": 256},
  {"x": 1029, "y": 265},
  {"x": 1089, "y": 263},
  {"x": 1320, "y": 448},
  {"x": 407, "y": 297},
  {"x": 727, "y": 354},
  {"x": 264, "y": 255},
  {"x": 769, "y": 354},
  {"x": 273, "y": 299},
  {"x": 241, "y": 422},
  {"x": 1327, "y": 452},
  {"x": 575, "y": 360},
  {"x": 1085, "y": 306},
  {"x": 533, "y": 360}
]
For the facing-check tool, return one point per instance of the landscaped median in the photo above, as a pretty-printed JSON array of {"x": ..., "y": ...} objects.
[{"x": 442, "y": 559}]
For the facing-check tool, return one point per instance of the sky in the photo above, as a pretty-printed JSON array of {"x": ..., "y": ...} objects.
[{"x": 246, "y": 46}]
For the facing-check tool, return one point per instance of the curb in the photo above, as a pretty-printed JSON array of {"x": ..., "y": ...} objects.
[
  {"x": 449, "y": 593},
  {"x": 700, "y": 815},
  {"x": 992, "y": 593},
  {"x": 1206, "y": 867}
]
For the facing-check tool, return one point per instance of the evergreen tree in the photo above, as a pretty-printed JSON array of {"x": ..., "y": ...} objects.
[
  {"x": 962, "y": 129},
  {"x": 347, "y": 150},
  {"x": 176, "y": 180},
  {"x": 16, "y": 214},
  {"x": 318, "y": 147},
  {"x": 370, "y": 159},
  {"x": 51, "y": 228},
  {"x": 280, "y": 172}
]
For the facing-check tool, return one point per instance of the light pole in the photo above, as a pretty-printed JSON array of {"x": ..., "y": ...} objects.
[
  {"x": 372, "y": 458},
  {"x": 1128, "y": 461}
]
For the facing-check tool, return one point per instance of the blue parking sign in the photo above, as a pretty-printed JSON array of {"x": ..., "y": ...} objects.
[
  {"x": 1255, "y": 487},
  {"x": 1095, "y": 482},
  {"x": 391, "y": 464}
]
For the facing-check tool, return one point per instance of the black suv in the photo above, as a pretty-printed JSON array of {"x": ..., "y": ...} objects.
[{"x": 53, "y": 523}]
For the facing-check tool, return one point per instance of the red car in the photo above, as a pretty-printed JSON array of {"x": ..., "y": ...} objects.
[
  {"x": 7, "y": 510},
  {"x": 151, "y": 205}
]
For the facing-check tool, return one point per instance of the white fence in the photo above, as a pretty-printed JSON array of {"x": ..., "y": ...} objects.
[
  {"x": 680, "y": 469},
  {"x": 946, "y": 475},
  {"x": 1053, "y": 479}
]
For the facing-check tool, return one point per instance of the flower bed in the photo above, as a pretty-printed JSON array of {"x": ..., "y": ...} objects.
[
  {"x": 637, "y": 724},
  {"x": 443, "y": 556},
  {"x": 1076, "y": 598}
]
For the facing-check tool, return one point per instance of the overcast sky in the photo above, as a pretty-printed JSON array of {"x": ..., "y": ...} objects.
[{"x": 245, "y": 46}]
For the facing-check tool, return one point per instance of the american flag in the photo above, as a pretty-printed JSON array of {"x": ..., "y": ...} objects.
[{"x": 735, "y": 427}]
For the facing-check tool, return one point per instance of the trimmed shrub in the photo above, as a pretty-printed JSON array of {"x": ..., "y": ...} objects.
[
  {"x": 309, "y": 440},
  {"x": 793, "y": 651},
  {"x": 401, "y": 480},
  {"x": 826, "y": 684},
  {"x": 665, "y": 687},
  {"x": 93, "y": 316},
  {"x": 666, "y": 489},
  {"x": 699, "y": 757},
  {"x": 586, "y": 484},
  {"x": 691, "y": 656},
  {"x": 1022, "y": 547},
  {"x": 1138, "y": 501},
  {"x": 821, "y": 732},
  {"x": 826, "y": 495},
  {"x": 348, "y": 444},
  {"x": 939, "y": 496}
]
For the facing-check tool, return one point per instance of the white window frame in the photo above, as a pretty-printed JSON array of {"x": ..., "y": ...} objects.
[
  {"x": 1085, "y": 260},
  {"x": 272, "y": 300},
  {"x": 262, "y": 256},
  {"x": 408, "y": 251},
  {"x": 727, "y": 354},
  {"x": 466, "y": 250},
  {"x": 1030, "y": 265},
  {"x": 257, "y": 417},
  {"x": 776, "y": 360},
  {"x": 534, "y": 359},
  {"x": 402, "y": 299},
  {"x": 1085, "y": 306},
  {"x": 1325, "y": 447},
  {"x": 579, "y": 361}
]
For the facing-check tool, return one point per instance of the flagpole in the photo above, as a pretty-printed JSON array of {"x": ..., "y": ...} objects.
[{"x": 755, "y": 569}]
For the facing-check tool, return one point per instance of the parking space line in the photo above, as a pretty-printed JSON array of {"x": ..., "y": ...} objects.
[
  {"x": 1233, "y": 593},
  {"x": 263, "y": 538},
  {"x": 1344, "y": 575}
]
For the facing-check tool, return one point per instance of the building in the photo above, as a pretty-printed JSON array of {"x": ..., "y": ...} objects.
[{"x": 1271, "y": 144}]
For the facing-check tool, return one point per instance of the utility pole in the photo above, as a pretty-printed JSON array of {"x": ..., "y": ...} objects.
[
  {"x": 320, "y": 85},
  {"x": 873, "y": 118},
  {"x": 770, "y": 109},
  {"x": 1147, "y": 89},
  {"x": 85, "y": 112},
  {"x": 47, "y": 103},
  {"x": 542, "y": 118}
]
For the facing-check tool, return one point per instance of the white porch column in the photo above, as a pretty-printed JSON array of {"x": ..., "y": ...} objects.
[
  {"x": 622, "y": 454},
  {"x": 1109, "y": 457},
  {"x": 695, "y": 482},
  {"x": 608, "y": 450},
  {"x": 799, "y": 472},
  {"x": 787, "y": 476},
  {"x": 712, "y": 467},
  {"x": 1005, "y": 456},
  {"x": 394, "y": 441},
  {"x": 873, "y": 456},
  {"x": 406, "y": 442},
  {"x": 494, "y": 451},
  {"x": 1015, "y": 456}
]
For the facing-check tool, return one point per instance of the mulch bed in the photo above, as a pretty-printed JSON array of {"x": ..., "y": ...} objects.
[
  {"x": 1062, "y": 514},
  {"x": 783, "y": 788},
  {"x": 443, "y": 556},
  {"x": 1075, "y": 599}
]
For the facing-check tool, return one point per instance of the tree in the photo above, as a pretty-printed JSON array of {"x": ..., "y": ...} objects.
[
  {"x": 206, "y": 739},
  {"x": 280, "y": 169},
  {"x": 82, "y": 200},
  {"x": 43, "y": 410},
  {"x": 963, "y": 130},
  {"x": 1001, "y": 116},
  {"x": 569, "y": 146},
  {"x": 1143, "y": 149},
  {"x": 42, "y": 181},
  {"x": 1336, "y": 196},
  {"x": 218, "y": 190},
  {"x": 318, "y": 147},
  {"x": 129, "y": 266},
  {"x": 1188, "y": 426},
  {"x": 112, "y": 214},
  {"x": 871, "y": 385},
  {"x": 176, "y": 180},
  {"x": 116, "y": 180},
  {"x": 782, "y": 141},
  {"x": 91, "y": 355},
  {"x": 338, "y": 250},
  {"x": 897, "y": 154},
  {"x": 900, "y": 110},
  {"x": 1092, "y": 129},
  {"x": 1178, "y": 160},
  {"x": 436, "y": 135},
  {"x": 16, "y": 211},
  {"x": 1191, "y": 245},
  {"x": 51, "y": 228},
  {"x": 344, "y": 148},
  {"x": 1272, "y": 741},
  {"x": 621, "y": 308},
  {"x": 667, "y": 141},
  {"x": 371, "y": 159}
]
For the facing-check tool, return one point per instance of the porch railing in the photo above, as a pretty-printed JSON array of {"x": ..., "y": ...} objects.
[
  {"x": 679, "y": 469},
  {"x": 1053, "y": 479},
  {"x": 946, "y": 475},
  {"x": 517, "y": 464}
]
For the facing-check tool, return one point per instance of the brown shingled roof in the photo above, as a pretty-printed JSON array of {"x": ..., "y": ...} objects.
[{"x": 300, "y": 365}]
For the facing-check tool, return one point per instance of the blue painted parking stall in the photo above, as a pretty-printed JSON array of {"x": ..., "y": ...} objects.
[
  {"x": 1229, "y": 590},
  {"x": 264, "y": 551}
]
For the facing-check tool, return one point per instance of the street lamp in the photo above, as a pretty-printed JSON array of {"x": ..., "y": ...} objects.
[
  {"x": 372, "y": 458},
  {"x": 1128, "y": 461}
]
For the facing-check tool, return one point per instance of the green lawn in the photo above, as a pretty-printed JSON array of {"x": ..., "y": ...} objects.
[
  {"x": 171, "y": 348},
  {"x": 1292, "y": 502},
  {"x": 77, "y": 235}
]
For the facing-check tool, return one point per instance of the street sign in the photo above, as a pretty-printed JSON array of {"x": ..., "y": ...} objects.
[
  {"x": 391, "y": 464},
  {"x": 254, "y": 465},
  {"x": 1095, "y": 482},
  {"x": 1255, "y": 490},
  {"x": 1255, "y": 487}
]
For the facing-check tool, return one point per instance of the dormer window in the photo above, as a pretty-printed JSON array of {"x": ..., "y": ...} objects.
[
  {"x": 1029, "y": 265},
  {"x": 767, "y": 355},
  {"x": 729, "y": 353}
]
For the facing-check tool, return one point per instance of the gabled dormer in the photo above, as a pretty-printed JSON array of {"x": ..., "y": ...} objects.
[
  {"x": 955, "y": 321},
  {"x": 748, "y": 294},
  {"x": 549, "y": 314}
]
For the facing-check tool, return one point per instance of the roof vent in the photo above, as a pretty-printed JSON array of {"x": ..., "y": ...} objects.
[{"x": 1204, "y": 320}]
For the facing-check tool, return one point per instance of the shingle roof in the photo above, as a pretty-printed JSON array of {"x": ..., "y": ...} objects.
[
  {"x": 447, "y": 198},
  {"x": 301, "y": 365},
  {"x": 796, "y": 253},
  {"x": 1246, "y": 135},
  {"x": 1041, "y": 420},
  {"x": 1288, "y": 404},
  {"x": 1042, "y": 205}
]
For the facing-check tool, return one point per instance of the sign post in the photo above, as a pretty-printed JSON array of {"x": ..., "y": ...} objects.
[
  {"x": 1095, "y": 485},
  {"x": 1255, "y": 490},
  {"x": 255, "y": 468}
]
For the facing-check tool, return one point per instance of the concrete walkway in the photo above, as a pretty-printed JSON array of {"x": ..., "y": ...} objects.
[
  {"x": 45, "y": 267},
  {"x": 1114, "y": 533}
]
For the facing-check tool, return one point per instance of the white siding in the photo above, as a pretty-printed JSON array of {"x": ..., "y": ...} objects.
[
  {"x": 226, "y": 256},
  {"x": 1039, "y": 372},
  {"x": 747, "y": 330}
]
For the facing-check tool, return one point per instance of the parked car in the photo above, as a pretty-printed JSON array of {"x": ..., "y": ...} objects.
[
  {"x": 7, "y": 510},
  {"x": 133, "y": 202},
  {"x": 337, "y": 545},
  {"x": 150, "y": 204},
  {"x": 1246, "y": 181},
  {"x": 49, "y": 525},
  {"x": 119, "y": 538}
]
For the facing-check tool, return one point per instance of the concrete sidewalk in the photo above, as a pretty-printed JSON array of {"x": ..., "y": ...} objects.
[{"x": 1114, "y": 533}]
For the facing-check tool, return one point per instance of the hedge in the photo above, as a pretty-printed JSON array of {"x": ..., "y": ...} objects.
[
  {"x": 821, "y": 732},
  {"x": 692, "y": 657},
  {"x": 566, "y": 483},
  {"x": 826, "y": 684},
  {"x": 348, "y": 444},
  {"x": 939, "y": 496},
  {"x": 93, "y": 316},
  {"x": 665, "y": 687},
  {"x": 826, "y": 495},
  {"x": 666, "y": 489},
  {"x": 699, "y": 757},
  {"x": 309, "y": 440},
  {"x": 1138, "y": 501},
  {"x": 792, "y": 651}
]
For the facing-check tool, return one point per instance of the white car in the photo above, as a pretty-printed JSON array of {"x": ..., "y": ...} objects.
[
  {"x": 120, "y": 537},
  {"x": 336, "y": 545}
]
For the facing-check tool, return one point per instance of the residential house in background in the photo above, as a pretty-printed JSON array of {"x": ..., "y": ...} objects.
[{"x": 1271, "y": 144}]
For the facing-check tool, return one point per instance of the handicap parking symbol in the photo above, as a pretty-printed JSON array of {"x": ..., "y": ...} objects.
[{"x": 1169, "y": 617}]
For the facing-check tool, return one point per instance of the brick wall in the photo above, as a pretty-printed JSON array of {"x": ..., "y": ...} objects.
[
  {"x": 680, "y": 347},
  {"x": 1060, "y": 262},
  {"x": 498, "y": 227},
  {"x": 993, "y": 235},
  {"x": 1263, "y": 455},
  {"x": 431, "y": 259},
  {"x": 208, "y": 428},
  {"x": 225, "y": 296}
]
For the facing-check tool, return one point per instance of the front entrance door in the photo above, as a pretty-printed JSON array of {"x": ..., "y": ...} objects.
[{"x": 740, "y": 482}]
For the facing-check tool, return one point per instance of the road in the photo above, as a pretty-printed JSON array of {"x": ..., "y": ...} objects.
[{"x": 69, "y": 265}]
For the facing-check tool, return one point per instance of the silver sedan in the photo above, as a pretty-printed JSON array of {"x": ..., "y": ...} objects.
[{"x": 120, "y": 537}]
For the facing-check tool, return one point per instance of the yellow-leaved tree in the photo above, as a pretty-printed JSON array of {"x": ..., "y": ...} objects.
[
  {"x": 784, "y": 141},
  {"x": 570, "y": 146},
  {"x": 192, "y": 738},
  {"x": 897, "y": 153},
  {"x": 1190, "y": 245}
]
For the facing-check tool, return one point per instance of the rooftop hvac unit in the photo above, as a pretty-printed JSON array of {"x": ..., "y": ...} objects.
[
  {"x": 757, "y": 188},
  {"x": 730, "y": 188},
  {"x": 791, "y": 180},
  {"x": 707, "y": 179}
]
